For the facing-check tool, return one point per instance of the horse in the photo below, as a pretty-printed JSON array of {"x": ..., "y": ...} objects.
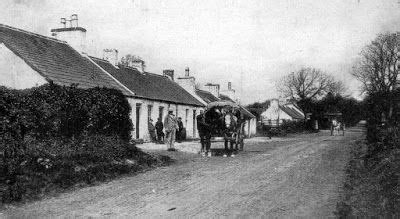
[
  {"x": 336, "y": 127},
  {"x": 225, "y": 122},
  {"x": 231, "y": 132}
]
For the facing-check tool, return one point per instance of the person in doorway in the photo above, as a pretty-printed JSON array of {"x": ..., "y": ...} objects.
[
  {"x": 170, "y": 126},
  {"x": 152, "y": 130},
  {"x": 159, "y": 129},
  {"x": 179, "y": 133},
  {"x": 204, "y": 133}
]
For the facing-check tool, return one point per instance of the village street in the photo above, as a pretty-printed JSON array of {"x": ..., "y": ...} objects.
[{"x": 298, "y": 175}]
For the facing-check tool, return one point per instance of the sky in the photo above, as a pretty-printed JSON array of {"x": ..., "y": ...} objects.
[{"x": 251, "y": 43}]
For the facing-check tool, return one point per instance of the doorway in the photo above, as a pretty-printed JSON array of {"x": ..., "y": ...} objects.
[
  {"x": 137, "y": 120},
  {"x": 194, "y": 123}
]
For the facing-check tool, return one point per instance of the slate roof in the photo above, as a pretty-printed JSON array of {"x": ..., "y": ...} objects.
[
  {"x": 246, "y": 112},
  {"x": 206, "y": 96},
  {"x": 55, "y": 60},
  {"x": 209, "y": 97},
  {"x": 148, "y": 85},
  {"x": 291, "y": 112}
]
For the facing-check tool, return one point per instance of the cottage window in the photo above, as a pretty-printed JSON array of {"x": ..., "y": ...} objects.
[
  {"x": 186, "y": 117},
  {"x": 149, "y": 111},
  {"x": 161, "y": 112}
]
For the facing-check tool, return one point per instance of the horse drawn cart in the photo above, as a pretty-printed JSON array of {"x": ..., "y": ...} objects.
[
  {"x": 336, "y": 122},
  {"x": 227, "y": 121}
]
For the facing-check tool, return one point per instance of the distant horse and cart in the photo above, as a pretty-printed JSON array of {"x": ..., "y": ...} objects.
[{"x": 337, "y": 126}]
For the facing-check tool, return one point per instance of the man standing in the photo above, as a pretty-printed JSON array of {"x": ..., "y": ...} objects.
[
  {"x": 179, "y": 133},
  {"x": 170, "y": 125},
  {"x": 159, "y": 129},
  {"x": 204, "y": 133}
]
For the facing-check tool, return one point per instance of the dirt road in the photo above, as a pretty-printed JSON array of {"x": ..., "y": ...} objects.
[{"x": 298, "y": 176}]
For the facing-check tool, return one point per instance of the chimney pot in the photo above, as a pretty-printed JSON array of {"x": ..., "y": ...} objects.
[
  {"x": 213, "y": 89},
  {"x": 64, "y": 22},
  {"x": 74, "y": 20},
  {"x": 187, "y": 72},
  {"x": 74, "y": 36},
  {"x": 229, "y": 85}
]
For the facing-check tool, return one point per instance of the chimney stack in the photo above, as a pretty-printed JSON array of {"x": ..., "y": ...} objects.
[
  {"x": 138, "y": 63},
  {"x": 74, "y": 35},
  {"x": 74, "y": 20},
  {"x": 169, "y": 73},
  {"x": 213, "y": 89},
  {"x": 231, "y": 93},
  {"x": 111, "y": 55}
]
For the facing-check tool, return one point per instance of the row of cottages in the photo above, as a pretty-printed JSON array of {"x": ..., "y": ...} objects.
[
  {"x": 212, "y": 94},
  {"x": 278, "y": 113},
  {"x": 29, "y": 60}
]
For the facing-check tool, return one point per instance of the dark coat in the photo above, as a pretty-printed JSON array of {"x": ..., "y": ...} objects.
[
  {"x": 159, "y": 126},
  {"x": 202, "y": 126},
  {"x": 180, "y": 125}
]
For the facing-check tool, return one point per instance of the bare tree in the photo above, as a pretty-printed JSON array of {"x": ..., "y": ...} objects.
[
  {"x": 126, "y": 60},
  {"x": 308, "y": 84},
  {"x": 378, "y": 66}
]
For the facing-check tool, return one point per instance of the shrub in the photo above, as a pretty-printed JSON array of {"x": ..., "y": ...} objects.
[
  {"x": 293, "y": 126},
  {"x": 57, "y": 136},
  {"x": 34, "y": 166},
  {"x": 56, "y": 111},
  {"x": 282, "y": 130}
]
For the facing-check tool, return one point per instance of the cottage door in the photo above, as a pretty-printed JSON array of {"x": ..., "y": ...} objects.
[
  {"x": 137, "y": 120},
  {"x": 194, "y": 123}
]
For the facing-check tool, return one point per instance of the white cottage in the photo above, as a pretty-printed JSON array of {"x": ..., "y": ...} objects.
[
  {"x": 278, "y": 113},
  {"x": 154, "y": 96},
  {"x": 28, "y": 60}
]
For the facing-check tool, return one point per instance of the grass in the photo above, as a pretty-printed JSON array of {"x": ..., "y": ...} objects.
[{"x": 372, "y": 187}]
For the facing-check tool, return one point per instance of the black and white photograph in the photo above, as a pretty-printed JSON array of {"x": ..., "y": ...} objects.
[{"x": 199, "y": 108}]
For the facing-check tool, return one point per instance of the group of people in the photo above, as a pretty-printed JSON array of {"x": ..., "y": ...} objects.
[{"x": 173, "y": 128}]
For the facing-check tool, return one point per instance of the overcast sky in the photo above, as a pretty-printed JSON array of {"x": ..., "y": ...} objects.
[{"x": 250, "y": 43}]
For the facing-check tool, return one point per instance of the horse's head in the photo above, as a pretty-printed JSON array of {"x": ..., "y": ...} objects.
[{"x": 230, "y": 121}]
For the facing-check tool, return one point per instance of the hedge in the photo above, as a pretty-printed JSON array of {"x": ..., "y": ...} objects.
[
  {"x": 57, "y": 136},
  {"x": 58, "y": 111},
  {"x": 378, "y": 107},
  {"x": 32, "y": 168},
  {"x": 287, "y": 127}
]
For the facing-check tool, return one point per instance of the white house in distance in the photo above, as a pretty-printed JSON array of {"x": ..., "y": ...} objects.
[
  {"x": 278, "y": 113},
  {"x": 28, "y": 60}
]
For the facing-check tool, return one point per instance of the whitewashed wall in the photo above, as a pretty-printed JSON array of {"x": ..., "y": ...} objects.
[
  {"x": 274, "y": 114},
  {"x": 15, "y": 73},
  {"x": 250, "y": 127},
  {"x": 179, "y": 110}
]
